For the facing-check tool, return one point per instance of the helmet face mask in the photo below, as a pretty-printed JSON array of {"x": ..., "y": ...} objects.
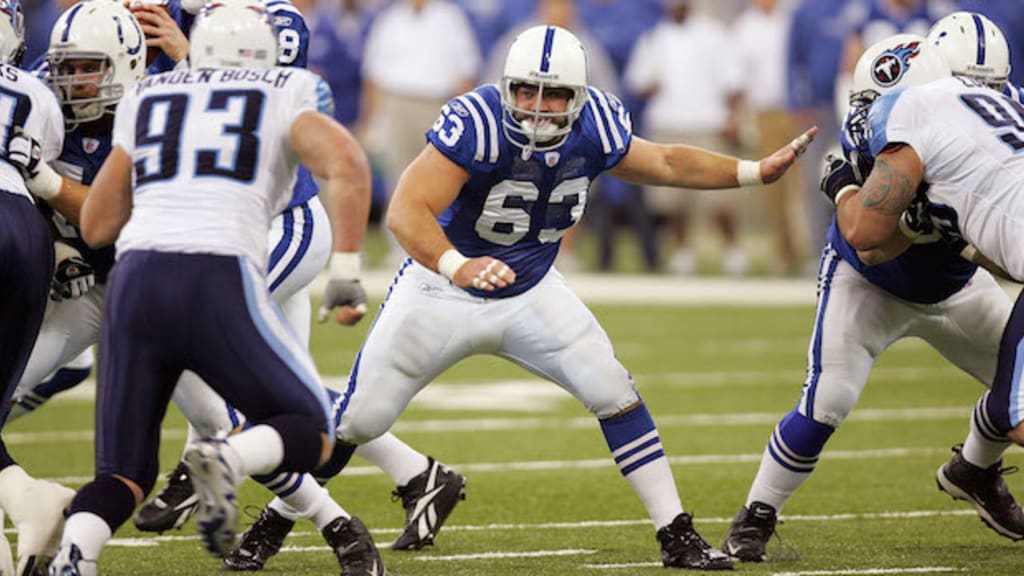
[
  {"x": 233, "y": 35},
  {"x": 546, "y": 66},
  {"x": 974, "y": 47},
  {"x": 12, "y": 32},
  {"x": 97, "y": 53}
]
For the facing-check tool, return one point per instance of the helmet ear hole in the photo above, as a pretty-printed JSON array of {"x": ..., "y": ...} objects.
[{"x": 974, "y": 47}]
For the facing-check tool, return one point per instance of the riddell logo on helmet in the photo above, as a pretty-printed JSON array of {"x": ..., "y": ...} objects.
[
  {"x": 544, "y": 75},
  {"x": 892, "y": 64}
]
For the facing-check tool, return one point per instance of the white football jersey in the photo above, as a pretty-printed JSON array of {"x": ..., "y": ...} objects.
[
  {"x": 213, "y": 163},
  {"x": 971, "y": 140},
  {"x": 25, "y": 101}
]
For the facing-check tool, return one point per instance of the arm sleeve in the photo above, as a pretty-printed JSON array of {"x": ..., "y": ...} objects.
[
  {"x": 124, "y": 123},
  {"x": 292, "y": 38},
  {"x": 53, "y": 129},
  {"x": 304, "y": 96},
  {"x": 607, "y": 123},
  {"x": 900, "y": 117}
]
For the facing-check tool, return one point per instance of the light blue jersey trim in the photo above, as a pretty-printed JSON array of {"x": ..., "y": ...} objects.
[{"x": 271, "y": 328}]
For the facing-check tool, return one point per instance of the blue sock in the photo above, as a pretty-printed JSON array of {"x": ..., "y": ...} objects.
[
  {"x": 797, "y": 441},
  {"x": 632, "y": 439}
]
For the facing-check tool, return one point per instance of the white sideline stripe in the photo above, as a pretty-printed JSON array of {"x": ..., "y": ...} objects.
[
  {"x": 477, "y": 425},
  {"x": 548, "y": 465},
  {"x": 493, "y": 555},
  {"x": 911, "y": 515},
  {"x": 919, "y": 570}
]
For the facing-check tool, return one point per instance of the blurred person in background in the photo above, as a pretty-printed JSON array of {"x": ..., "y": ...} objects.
[
  {"x": 491, "y": 19},
  {"x": 818, "y": 31},
  {"x": 617, "y": 24},
  {"x": 761, "y": 32},
  {"x": 687, "y": 68},
  {"x": 419, "y": 53}
]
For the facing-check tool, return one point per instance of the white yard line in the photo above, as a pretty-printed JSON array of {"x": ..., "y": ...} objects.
[
  {"x": 909, "y": 515},
  {"x": 915, "y": 570}
]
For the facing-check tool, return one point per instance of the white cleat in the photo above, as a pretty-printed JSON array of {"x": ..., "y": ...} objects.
[
  {"x": 213, "y": 467},
  {"x": 69, "y": 562},
  {"x": 36, "y": 508}
]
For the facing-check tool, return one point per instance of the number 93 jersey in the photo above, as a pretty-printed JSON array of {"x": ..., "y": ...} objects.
[
  {"x": 518, "y": 210},
  {"x": 212, "y": 157},
  {"x": 973, "y": 158}
]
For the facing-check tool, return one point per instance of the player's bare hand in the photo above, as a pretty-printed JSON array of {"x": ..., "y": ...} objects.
[
  {"x": 162, "y": 32},
  {"x": 347, "y": 295},
  {"x": 484, "y": 273},
  {"x": 774, "y": 166}
]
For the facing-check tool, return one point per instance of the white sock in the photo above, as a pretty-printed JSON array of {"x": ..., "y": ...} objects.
[
  {"x": 981, "y": 451},
  {"x": 260, "y": 450},
  {"x": 88, "y": 531},
  {"x": 654, "y": 484},
  {"x": 313, "y": 502},
  {"x": 282, "y": 508},
  {"x": 774, "y": 485},
  {"x": 396, "y": 458}
]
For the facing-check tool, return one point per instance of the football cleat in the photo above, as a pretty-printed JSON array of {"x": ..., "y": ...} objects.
[
  {"x": 682, "y": 547},
  {"x": 354, "y": 547},
  {"x": 428, "y": 499},
  {"x": 36, "y": 508},
  {"x": 215, "y": 480},
  {"x": 985, "y": 489},
  {"x": 750, "y": 531},
  {"x": 172, "y": 507},
  {"x": 69, "y": 562},
  {"x": 260, "y": 542}
]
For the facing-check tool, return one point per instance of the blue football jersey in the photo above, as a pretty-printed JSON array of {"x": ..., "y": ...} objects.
[
  {"x": 83, "y": 153},
  {"x": 518, "y": 210},
  {"x": 925, "y": 273}
]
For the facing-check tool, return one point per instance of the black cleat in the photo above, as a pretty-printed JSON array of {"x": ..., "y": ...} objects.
[
  {"x": 750, "y": 531},
  {"x": 171, "y": 507},
  {"x": 985, "y": 489},
  {"x": 428, "y": 499},
  {"x": 682, "y": 547},
  {"x": 354, "y": 547},
  {"x": 261, "y": 541}
]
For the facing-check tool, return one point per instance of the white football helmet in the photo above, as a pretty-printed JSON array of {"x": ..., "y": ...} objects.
[
  {"x": 233, "y": 34},
  {"x": 12, "y": 32},
  {"x": 897, "y": 61},
  {"x": 97, "y": 53},
  {"x": 543, "y": 57},
  {"x": 974, "y": 47}
]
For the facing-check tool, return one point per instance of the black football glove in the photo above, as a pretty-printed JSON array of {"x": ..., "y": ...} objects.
[
  {"x": 72, "y": 279},
  {"x": 839, "y": 176}
]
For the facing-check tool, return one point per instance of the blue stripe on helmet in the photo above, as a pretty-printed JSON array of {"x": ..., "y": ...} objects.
[
  {"x": 980, "y": 27},
  {"x": 545, "y": 57},
  {"x": 67, "y": 24}
]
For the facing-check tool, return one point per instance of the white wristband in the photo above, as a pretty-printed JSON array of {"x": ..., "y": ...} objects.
[
  {"x": 46, "y": 184},
  {"x": 748, "y": 173},
  {"x": 345, "y": 265},
  {"x": 450, "y": 262},
  {"x": 845, "y": 190}
]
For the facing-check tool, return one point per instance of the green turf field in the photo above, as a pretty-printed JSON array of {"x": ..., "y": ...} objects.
[{"x": 545, "y": 498}]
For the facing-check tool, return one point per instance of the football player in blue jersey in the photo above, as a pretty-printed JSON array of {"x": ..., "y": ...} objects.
[
  {"x": 930, "y": 291},
  {"x": 482, "y": 210}
]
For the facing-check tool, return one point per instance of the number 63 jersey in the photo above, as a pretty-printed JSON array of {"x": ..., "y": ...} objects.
[
  {"x": 513, "y": 209},
  {"x": 971, "y": 142},
  {"x": 213, "y": 163}
]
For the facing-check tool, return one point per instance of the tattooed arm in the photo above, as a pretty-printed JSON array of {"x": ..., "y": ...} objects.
[{"x": 869, "y": 218}]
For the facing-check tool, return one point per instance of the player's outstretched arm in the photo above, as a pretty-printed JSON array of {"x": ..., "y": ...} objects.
[
  {"x": 336, "y": 159},
  {"x": 427, "y": 187},
  {"x": 63, "y": 194},
  {"x": 651, "y": 164},
  {"x": 109, "y": 204},
  {"x": 869, "y": 216}
]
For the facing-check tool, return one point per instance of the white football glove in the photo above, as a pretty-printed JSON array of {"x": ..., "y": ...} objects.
[{"x": 25, "y": 153}]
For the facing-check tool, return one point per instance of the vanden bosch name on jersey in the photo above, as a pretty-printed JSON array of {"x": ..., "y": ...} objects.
[{"x": 276, "y": 77}]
